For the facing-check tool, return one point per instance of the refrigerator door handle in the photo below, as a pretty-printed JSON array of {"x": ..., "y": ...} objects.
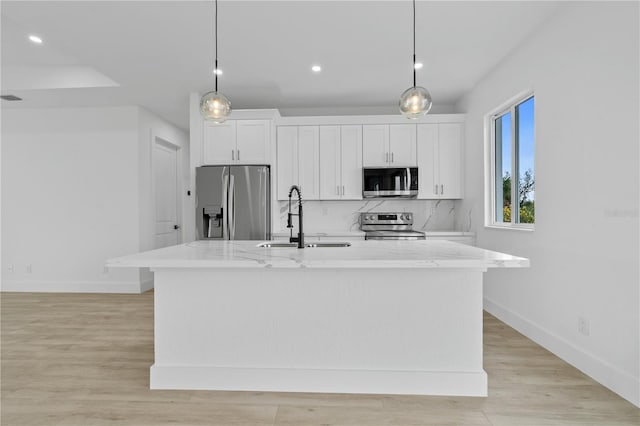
[
  {"x": 232, "y": 210},
  {"x": 225, "y": 207}
]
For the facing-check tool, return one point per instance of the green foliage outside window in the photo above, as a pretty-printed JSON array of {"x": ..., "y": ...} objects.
[{"x": 525, "y": 187}]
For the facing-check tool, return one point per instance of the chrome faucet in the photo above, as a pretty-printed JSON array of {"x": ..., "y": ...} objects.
[{"x": 300, "y": 239}]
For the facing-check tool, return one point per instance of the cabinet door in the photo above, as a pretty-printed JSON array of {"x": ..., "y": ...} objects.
[
  {"x": 309, "y": 162},
  {"x": 402, "y": 145},
  {"x": 351, "y": 162},
  {"x": 427, "y": 146},
  {"x": 330, "y": 179},
  {"x": 286, "y": 160},
  {"x": 375, "y": 145},
  {"x": 219, "y": 143},
  {"x": 252, "y": 141},
  {"x": 450, "y": 159}
]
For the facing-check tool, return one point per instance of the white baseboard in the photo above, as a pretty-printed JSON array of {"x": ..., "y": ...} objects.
[
  {"x": 76, "y": 286},
  {"x": 473, "y": 383},
  {"x": 601, "y": 371}
]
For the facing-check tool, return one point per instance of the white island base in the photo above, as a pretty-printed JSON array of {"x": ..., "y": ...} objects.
[
  {"x": 392, "y": 331},
  {"x": 377, "y": 317}
]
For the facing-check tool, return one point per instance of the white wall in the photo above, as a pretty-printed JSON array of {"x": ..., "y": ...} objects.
[
  {"x": 76, "y": 190},
  {"x": 150, "y": 127},
  {"x": 583, "y": 66},
  {"x": 69, "y": 198}
]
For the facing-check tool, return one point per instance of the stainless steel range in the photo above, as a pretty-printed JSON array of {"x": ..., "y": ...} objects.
[{"x": 389, "y": 226}]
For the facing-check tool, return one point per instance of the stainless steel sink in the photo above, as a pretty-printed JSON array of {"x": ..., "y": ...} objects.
[
  {"x": 328, "y": 244},
  {"x": 277, "y": 244}
]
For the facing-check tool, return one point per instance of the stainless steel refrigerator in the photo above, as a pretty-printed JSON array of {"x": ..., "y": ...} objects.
[{"x": 233, "y": 202}]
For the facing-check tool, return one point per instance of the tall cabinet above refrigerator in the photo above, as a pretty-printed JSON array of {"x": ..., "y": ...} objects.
[{"x": 233, "y": 202}]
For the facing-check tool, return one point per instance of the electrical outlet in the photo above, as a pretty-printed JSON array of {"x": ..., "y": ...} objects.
[
  {"x": 583, "y": 326},
  {"x": 10, "y": 268},
  {"x": 29, "y": 269}
]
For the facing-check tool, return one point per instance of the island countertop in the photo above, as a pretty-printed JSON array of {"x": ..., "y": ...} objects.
[{"x": 361, "y": 254}]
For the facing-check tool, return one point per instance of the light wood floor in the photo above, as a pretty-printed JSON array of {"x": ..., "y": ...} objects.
[{"x": 82, "y": 359}]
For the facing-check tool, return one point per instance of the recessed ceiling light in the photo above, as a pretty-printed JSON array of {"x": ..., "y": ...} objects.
[
  {"x": 217, "y": 71},
  {"x": 316, "y": 68},
  {"x": 35, "y": 39},
  {"x": 418, "y": 65}
]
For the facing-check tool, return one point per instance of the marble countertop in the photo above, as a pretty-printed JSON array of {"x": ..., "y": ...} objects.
[{"x": 361, "y": 254}]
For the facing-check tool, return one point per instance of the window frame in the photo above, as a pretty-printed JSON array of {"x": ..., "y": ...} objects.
[{"x": 509, "y": 106}]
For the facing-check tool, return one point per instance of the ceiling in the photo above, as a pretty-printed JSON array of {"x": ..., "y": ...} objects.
[{"x": 154, "y": 53}]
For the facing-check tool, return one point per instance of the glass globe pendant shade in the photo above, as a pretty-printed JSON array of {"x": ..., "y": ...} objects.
[
  {"x": 415, "y": 102},
  {"x": 214, "y": 106}
]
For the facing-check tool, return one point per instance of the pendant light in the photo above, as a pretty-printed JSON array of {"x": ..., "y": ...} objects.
[
  {"x": 214, "y": 106},
  {"x": 415, "y": 101}
]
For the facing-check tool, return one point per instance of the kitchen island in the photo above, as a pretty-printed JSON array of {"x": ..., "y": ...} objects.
[{"x": 391, "y": 317}]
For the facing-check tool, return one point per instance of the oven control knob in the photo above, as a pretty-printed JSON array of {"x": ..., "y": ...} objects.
[{"x": 408, "y": 217}]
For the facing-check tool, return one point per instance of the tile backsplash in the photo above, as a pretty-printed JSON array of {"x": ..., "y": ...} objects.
[{"x": 324, "y": 216}]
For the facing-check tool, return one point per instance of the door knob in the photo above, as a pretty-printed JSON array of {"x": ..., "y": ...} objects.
[{"x": 176, "y": 226}]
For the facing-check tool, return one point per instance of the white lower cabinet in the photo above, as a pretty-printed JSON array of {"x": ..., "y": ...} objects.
[
  {"x": 440, "y": 160},
  {"x": 298, "y": 162},
  {"x": 340, "y": 162}
]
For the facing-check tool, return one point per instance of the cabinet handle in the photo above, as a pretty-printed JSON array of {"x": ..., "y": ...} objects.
[
  {"x": 343, "y": 190},
  {"x": 233, "y": 154},
  {"x": 392, "y": 157},
  {"x": 337, "y": 189},
  {"x": 238, "y": 155},
  {"x": 441, "y": 189},
  {"x": 435, "y": 189},
  {"x": 386, "y": 157}
]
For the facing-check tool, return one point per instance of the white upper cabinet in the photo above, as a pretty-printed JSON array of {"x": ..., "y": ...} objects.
[
  {"x": 309, "y": 161},
  {"x": 440, "y": 160},
  {"x": 237, "y": 142},
  {"x": 351, "y": 162},
  {"x": 219, "y": 142},
  {"x": 402, "y": 145},
  {"x": 286, "y": 160},
  {"x": 340, "y": 162},
  {"x": 330, "y": 158},
  {"x": 375, "y": 145},
  {"x": 298, "y": 162},
  {"x": 252, "y": 141},
  {"x": 389, "y": 145},
  {"x": 326, "y": 159}
]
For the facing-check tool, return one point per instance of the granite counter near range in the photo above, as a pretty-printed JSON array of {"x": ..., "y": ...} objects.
[{"x": 391, "y": 317}]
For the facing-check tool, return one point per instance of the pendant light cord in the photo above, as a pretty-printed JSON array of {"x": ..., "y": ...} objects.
[
  {"x": 414, "y": 43},
  {"x": 215, "y": 70}
]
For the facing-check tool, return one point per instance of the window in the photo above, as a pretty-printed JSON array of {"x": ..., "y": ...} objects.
[{"x": 512, "y": 178}]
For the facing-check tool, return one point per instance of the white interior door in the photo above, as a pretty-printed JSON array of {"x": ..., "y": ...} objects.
[{"x": 165, "y": 179}]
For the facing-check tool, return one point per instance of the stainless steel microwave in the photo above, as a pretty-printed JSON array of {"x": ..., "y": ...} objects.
[{"x": 399, "y": 182}]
